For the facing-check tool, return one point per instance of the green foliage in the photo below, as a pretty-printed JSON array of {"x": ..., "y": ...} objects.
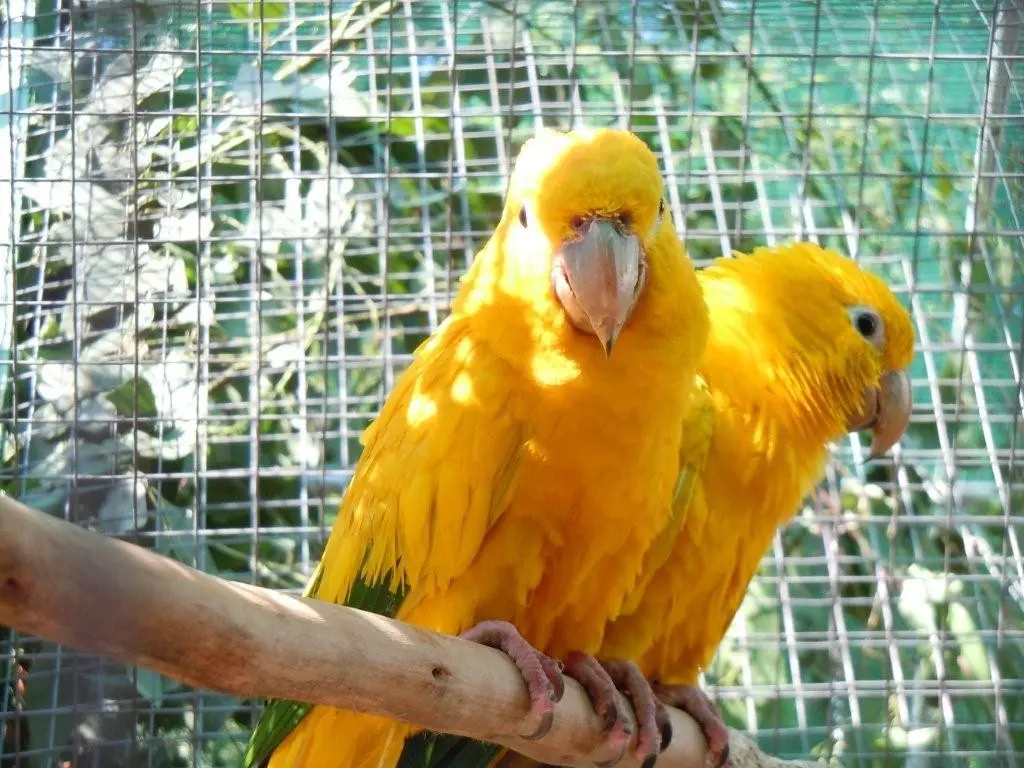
[{"x": 198, "y": 347}]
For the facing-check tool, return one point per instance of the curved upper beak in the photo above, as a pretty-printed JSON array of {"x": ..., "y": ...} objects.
[
  {"x": 597, "y": 278},
  {"x": 886, "y": 412}
]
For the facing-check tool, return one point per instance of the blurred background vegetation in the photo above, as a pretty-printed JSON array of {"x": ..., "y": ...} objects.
[{"x": 234, "y": 222}]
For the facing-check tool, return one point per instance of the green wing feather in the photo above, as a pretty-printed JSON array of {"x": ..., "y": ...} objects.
[
  {"x": 280, "y": 716},
  {"x": 435, "y": 750}
]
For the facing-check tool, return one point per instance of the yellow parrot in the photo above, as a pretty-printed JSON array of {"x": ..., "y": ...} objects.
[
  {"x": 496, "y": 496},
  {"x": 804, "y": 347}
]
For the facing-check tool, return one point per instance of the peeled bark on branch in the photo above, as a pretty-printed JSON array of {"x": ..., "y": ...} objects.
[{"x": 104, "y": 596}]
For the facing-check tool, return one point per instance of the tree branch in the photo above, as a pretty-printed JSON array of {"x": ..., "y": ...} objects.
[{"x": 104, "y": 596}]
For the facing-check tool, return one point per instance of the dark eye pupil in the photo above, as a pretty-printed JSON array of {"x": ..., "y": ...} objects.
[
  {"x": 867, "y": 324},
  {"x": 661, "y": 208},
  {"x": 522, "y": 216}
]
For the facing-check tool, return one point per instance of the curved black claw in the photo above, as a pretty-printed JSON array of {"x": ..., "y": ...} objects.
[
  {"x": 664, "y": 723},
  {"x": 541, "y": 673},
  {"x": 694, "y": 702}
]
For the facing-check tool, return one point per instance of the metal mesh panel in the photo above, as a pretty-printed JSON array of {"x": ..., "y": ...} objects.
[{"x": 225, "y": 226}]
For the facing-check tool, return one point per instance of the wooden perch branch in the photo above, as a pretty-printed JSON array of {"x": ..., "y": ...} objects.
[{"x": 104, "y": 596}]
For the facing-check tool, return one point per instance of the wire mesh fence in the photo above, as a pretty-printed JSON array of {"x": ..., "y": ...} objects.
[{"x": 226, "y": 226}]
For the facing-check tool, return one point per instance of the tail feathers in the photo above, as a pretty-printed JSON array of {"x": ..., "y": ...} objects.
[
  {"x": 336, "y": 738},
  {"x": 439, "y": 750},
  {"x": 510, "y": 759}
]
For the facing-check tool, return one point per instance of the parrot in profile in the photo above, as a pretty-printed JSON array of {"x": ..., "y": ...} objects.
[
  {"x": 496, "y": 496},
  {"x": 804, "y": 347}
]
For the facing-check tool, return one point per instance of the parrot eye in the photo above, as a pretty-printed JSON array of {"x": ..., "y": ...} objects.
[
  {"x": 661, "y": 208},
  {"x": 868, "y": 324},
  {"x": 522, "y": 216}
]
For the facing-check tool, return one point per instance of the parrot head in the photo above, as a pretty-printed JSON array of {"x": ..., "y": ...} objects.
[
  {"x": 841, "y": 341},
  {"x": 887, "y": 404},
  {"x": 585, "y": 239},
  {"x": 866, "y": 336}
]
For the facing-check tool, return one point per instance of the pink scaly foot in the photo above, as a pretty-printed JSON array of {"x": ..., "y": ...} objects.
[
  {"x": 543, "y": 678},
  {"x": 602, "y": 680},
  {"x": 694, "y": 702}
]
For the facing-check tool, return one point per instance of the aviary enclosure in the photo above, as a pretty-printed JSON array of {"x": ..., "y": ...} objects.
[{"x": 225, "y": 225}]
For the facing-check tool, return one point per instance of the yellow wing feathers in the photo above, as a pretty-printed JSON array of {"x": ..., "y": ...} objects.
[{"x": 439, "y": 464}]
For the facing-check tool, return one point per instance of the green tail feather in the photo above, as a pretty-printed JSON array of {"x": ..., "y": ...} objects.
[
  {"x": 280, "y": 716},
  {"x": 440, "y": 750}
]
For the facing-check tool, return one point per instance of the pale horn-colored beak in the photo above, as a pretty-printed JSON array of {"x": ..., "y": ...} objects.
[
  {"x": 886, "y": 412},
  {"x": 597, "y": 277}
]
